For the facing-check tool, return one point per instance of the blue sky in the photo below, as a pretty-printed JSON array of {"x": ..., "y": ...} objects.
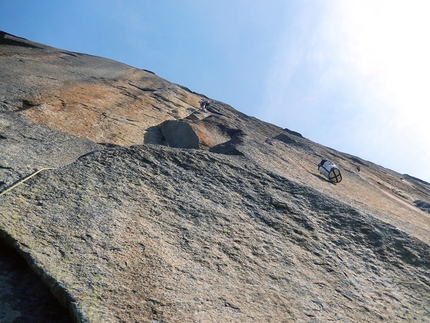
[{"x": 351, "y": 75}]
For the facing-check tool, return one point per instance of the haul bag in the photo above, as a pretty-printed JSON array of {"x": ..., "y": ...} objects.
[{"x": 330, "y": 170}]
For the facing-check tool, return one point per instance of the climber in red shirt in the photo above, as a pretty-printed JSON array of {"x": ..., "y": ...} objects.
[{"x": 203, "y": 105}]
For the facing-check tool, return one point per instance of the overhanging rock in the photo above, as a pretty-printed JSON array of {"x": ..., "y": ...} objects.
[{"x": 179, "y": 134}]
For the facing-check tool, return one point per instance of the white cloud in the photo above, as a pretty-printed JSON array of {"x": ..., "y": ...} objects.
[{"x": 354, "y": 75}]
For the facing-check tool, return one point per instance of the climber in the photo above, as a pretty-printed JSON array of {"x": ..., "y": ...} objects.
[
  {"x": 203, "y": 105},
  {"x": 330, "y": 170}
]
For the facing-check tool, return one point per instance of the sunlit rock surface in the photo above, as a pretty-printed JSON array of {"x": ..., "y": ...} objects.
[{"x": 150, "y": 210}]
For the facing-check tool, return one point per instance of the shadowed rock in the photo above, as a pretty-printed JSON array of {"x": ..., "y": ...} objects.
[
  {"x": 23, "y": 296},
  {"x": 423, "y": 205}
]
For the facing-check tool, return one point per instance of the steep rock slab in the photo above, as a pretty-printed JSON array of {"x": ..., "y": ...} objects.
[
  {"x": 108, "y": 102},
  {"x": 27, "y": 68},
  {"x": 111, "y": 111},
  {"x": 86, "y": 96},
  {"x": 155, "y": 233},
  {"x": 26, "y": 147},
  {"x": 98, "y": 99},
  {"x": 371, "y": 188},
  {"x": 390, "y": 196}
]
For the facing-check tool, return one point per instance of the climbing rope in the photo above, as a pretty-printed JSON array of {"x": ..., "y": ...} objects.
[{"x": 22, "y": 181}]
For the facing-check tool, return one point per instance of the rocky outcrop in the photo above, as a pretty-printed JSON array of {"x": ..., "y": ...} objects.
[{"x": 154, "y": 211}]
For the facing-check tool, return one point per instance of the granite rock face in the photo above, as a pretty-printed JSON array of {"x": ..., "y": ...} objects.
[
  {"x": 23, "y": 296},
  {"x": 154, "y": 211}
]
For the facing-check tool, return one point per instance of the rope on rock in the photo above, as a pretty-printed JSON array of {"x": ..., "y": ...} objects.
[{"x": 22, "y": 181}]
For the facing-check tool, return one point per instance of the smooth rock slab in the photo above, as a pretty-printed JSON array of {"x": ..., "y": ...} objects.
[{"x": 154, "y": 233}]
